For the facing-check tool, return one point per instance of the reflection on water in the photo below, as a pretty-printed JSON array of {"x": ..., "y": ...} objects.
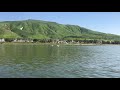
[{"x": 64, "y": 61}]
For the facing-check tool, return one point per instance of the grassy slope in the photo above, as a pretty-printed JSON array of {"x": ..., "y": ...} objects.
[{"x": 37, "y": 29}]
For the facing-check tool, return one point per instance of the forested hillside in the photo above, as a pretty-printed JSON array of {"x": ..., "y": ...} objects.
[{"x": 38, "y": 29}]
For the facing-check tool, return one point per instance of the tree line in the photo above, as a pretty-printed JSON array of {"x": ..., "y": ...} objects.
[{"x": 84, "y": 41}]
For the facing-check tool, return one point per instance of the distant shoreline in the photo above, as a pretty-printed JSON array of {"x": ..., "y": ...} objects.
[{"x": 52, "y": 44}]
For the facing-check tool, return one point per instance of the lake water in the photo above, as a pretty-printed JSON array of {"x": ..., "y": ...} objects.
[{"x": 46, "y": 61}]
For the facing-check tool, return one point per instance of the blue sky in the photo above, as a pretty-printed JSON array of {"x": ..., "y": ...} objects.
[{"x": 108, "y": 22}]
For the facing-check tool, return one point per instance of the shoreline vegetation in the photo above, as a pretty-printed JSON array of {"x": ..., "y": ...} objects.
[{"x": 51, "y": 42}]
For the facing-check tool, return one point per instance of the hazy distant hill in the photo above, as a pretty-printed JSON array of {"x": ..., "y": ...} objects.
[{"x": 38, "y": 29}]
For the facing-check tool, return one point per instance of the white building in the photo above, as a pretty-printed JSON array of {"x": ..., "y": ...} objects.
[{"x": 2, "y": 40}]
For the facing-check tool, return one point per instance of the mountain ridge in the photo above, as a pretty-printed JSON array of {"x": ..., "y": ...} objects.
[{"x": 39, "y": 29}]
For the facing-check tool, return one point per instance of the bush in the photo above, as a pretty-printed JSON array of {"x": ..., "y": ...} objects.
[
  {"x": 9, "y": 39},
  {"x": 35, "y": 40}
]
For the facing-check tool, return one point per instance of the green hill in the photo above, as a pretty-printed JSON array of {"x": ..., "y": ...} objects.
[{"x": 38, "y": 29}]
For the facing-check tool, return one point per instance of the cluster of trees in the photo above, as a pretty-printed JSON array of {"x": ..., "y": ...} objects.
[
  {"x": 84, "y": 41},
  {"x": 95, "y": 41}
]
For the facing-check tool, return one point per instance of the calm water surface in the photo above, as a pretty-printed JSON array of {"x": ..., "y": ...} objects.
[{"x": 45, "y": 61}]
